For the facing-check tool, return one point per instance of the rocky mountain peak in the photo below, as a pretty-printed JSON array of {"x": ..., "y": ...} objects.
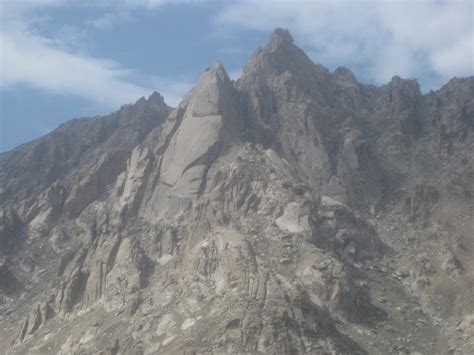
[
  {"x": 344, "y": 74},
  {"x": 154, "y": 103},
  {"x": 409, "y": 85},
  {"x": 279, "y": 37},
  {"x": 459, "y": 86},
  {"x": 282, "y": 60},
  {"x": 156, "y": 98},
  {"x": 318, "y": 207},
  {"x": 205, "y": 125},
  {"x": 403, "y": 96},
  {"x": 211, "y": 95},
  {"x": 217, "y": 69}
]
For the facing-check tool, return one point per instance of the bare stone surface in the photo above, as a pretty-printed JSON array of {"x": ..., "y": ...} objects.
[{"x": 292, "y": 211}]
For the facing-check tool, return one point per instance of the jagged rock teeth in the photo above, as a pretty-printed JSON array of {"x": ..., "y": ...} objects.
[
  {"x": 208, "y": 125},
  {"x": 280, "y": 36}
]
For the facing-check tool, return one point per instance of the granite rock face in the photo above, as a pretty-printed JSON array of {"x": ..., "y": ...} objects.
[{"x": 292, "y": 211}]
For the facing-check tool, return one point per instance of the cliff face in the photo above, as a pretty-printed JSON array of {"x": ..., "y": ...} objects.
[{"x": 295, "y": 210}]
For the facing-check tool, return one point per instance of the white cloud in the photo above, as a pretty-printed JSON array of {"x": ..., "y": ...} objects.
[
  {"x": 34, "y": 61},
  {"x": 431, "y": 40},
  {"x": 453, "y": 59},
  {"x": 110, "y": 19},
  {"x": 121, "y": 11},
  {"x": 60, "y": 64}
]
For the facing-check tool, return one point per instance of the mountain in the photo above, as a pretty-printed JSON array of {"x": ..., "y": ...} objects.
[{"x": 292, "y": 211}]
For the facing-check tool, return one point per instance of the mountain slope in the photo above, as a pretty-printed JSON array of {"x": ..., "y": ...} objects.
[{"x": 295, "y": 210}]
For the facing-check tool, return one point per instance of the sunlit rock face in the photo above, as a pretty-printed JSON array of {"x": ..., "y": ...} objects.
[{"x": 293, "y": 211}]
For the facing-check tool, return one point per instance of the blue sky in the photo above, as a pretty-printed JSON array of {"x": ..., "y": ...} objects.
[{"x": 62, "y": 59}]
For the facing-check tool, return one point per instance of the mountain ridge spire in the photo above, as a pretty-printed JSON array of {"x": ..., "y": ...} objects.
[{"x": 281, "y": 36}]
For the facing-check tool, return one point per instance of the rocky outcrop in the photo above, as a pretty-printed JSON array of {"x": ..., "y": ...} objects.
[
  {"x": 276, "y": 86},
  {"x": 450, "y": 115},
  {"x": 100, "y": 176},
  {"x": 304, "y": 113},
  {"x": 359, "y": 176},
  {"x": 38, "y": 316},
  {"x": 11, "y": 231},
  {"x": 345, "y": 233},
  {"x": 400, "y": 101},
  {"x": 8, "y": 282},
  {"x": 206, "y": 125},
  {"x": 420, "y": 202}
]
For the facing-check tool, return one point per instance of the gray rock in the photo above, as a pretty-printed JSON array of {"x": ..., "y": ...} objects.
[{"x": 242, "y": 221}]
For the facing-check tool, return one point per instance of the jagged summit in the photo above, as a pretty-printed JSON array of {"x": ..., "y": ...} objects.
[
  {"x": 278, "y": 56},
  {"x": 205, "y": 125},
  {"x": 211, "y": 93},
  {"x": 156, "y": 97},
  {"x": 217, "y": 68},
  {"x": 280, "y": 36},
  {"x": 344, "y": 74},
  {"x": 398, "y": 81},
  {"x": 216, "y": 72}
]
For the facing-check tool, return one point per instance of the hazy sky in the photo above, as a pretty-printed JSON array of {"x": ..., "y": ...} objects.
[{"x": 62, "y": 59}]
